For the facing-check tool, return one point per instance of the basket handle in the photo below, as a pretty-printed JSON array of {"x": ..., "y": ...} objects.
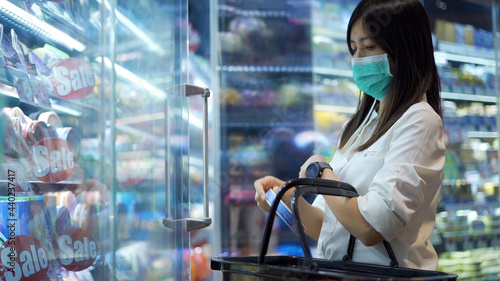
[
  {"x": 303, "y": 185},
  {"x": 313, "y": 186},
  {"x": 387, "y": 245}
]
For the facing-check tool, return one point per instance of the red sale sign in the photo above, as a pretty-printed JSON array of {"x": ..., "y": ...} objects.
[
  {"x": 52, "y": 160},
  {"x": 71, "y": 79},
  {"x": 24, "y": 259},
  {"x": 76, "y": 248}
]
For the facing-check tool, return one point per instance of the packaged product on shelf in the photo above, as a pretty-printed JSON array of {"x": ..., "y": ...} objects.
[
  {"x": 22, "y": 148},
  {"x": 3, "y": 239},
  {"x": 50, "y": 199},
  {"x": 47, "y": 57},
  {"x": 2, "y": 52},
  {"x": 91, "y": 224},
  {"x": 51, "y": 118},
  {"x": 17, "y": 47},
  {"x": 449, "y": 34},
  {"x": 62, "y": 16},
  {"x": 9, "y": 136},
  {"x": 41, "y": 67},
  {"x": 37, "y": 218},
  {"x": 469, "y": 34},
  {"x": 34, "y": 9},
  {"x": 67, "y": 199},
  {"x": 40, "y": 93},
  {"x": 63, "y": 219},
  {"x": 70, "y": 135},
  {"x": 3, "y": 61},
  {"x": 230, "y": 42},
  {"x": 34, "y": 131},
  {"x": 4, "y": 76},
  {"x": 289, "y": 95},
  {"x": 15, "y": 216},
  {"x": 79, "y": 215},
  {"x": 15, "y": 112},
  {"x": 17, "y": 174},
  {"x": 50, "y": 216},
  {"x": 483, "y": 38},
  {"x": 23, "y": 86},
  {"x": 12, "y": 58},
  {"x": 51, "y": 213},
  {"x": 460, "y": 33}
]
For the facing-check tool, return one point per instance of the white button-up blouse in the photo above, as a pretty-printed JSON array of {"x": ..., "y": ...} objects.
[{"x": 398, "y": 180}]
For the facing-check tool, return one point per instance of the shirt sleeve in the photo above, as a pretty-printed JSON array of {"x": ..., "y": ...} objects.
[
  {"x": 319, "y": 202},
  {"x": 410, "y": 175}
]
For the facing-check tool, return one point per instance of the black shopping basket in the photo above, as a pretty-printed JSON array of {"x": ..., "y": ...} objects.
[{"x": 264, "y": 267}]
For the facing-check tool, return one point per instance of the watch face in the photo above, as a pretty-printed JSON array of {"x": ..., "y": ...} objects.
[{"x": 312, "y": 170}]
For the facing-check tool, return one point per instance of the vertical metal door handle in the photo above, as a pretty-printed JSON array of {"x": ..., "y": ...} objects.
[{"x": 189, "y": 223}]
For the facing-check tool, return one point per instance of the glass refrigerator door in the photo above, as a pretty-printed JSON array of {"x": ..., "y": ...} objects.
[
  {"x": 266, "y": 124},
  {"x": 89, "y": 91},
  {"x": 467, "y": 233}
]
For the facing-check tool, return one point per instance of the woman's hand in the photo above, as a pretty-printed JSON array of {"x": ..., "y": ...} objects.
[
  {"x": 262, "y": 185},
  {"x": 314, "y": 158}
]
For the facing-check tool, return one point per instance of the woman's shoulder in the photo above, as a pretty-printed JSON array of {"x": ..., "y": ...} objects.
[
  {"x": 421, "y": 111},
  {"x": 422, "y": 115}
]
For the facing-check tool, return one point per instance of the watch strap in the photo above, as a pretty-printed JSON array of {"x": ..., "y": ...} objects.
[{"x": 324, "y": 165}]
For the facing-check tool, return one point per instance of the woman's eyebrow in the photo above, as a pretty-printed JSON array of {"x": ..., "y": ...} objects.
[{"x": 361, "y": 40}]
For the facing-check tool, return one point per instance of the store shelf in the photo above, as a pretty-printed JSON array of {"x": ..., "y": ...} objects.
[
  {"x": 483, "y": 135},
  {"x": 466, "y": 53},
  {"x": 333, "y": 108},
  {"x": 226, "y": 10},
  {"x": 265, "y": 68},
  {"x": 291, "y": 69},
  {"x": 278, "y": 124},
  {"x": 239, "y": 116},
  {"x": 17, "y": 18},
  {"x": 475, "y": 233},
  {"x": 468, "y": 97},
  {"x": 443, "y": 57},
  {"x": 333, "y": 71},
  {"x": 58, "y": 105},
  {"x": 337, "y": 34}
]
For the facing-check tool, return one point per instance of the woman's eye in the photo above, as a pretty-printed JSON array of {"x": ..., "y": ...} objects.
[{"x": 370, "y": 47}]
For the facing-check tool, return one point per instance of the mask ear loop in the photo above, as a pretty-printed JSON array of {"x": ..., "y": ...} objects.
[{"x": 358, "y": 130}]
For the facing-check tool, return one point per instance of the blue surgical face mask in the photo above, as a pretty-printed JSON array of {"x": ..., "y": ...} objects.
[{"x": 372, "y": 75}]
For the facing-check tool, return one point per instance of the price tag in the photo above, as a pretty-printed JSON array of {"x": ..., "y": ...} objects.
[
  {"x": 76, "y": 248},
  {"x": 71, "y": 79},
  {"x": 53, "y": 160},
  {"x": 23, "y": 258}
]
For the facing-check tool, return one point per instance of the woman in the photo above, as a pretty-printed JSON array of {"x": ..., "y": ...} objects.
[{"x": 391, "y": 150}]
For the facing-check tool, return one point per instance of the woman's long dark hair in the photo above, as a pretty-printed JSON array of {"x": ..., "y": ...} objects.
[{"x": 402, "y": 29}]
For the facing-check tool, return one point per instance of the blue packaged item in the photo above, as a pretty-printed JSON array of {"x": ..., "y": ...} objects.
[
  {"x": 9, "y": 51},
  {"x": 23, "y": 215},
  {"x": 283, "y": 211},
  {"x": 63, "y": 219},
  {"x": 40, "y": 66},
  {"x": 14, "y": 216},
  {"x": 37, "y": 217},
  {"x": 460, "y": 33}
]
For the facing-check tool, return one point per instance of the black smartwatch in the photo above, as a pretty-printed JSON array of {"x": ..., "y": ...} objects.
[{"x": 315, "y": 169}]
